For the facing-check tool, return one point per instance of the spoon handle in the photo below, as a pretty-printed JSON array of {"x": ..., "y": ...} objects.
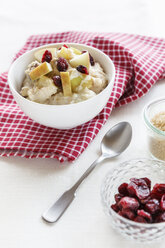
[
  {"x": 87, "y": 172},
  {"x": 58, "y": 208}
]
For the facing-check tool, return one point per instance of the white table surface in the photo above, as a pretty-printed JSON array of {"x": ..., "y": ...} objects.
[{"x": 28, "y": 187}]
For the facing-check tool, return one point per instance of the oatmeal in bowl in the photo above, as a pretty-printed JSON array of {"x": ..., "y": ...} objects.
[
  {"x": 62, "y": 85},
  {"x": 63, "y": 75}
]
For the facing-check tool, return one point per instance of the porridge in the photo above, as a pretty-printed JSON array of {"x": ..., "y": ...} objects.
[{"x": 62, "y": 76}]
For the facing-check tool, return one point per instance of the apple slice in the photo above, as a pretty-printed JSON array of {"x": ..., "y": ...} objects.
[
  {"x": 76, "y": 51},
  {"x": 66, "y": 84},
  {"x": 54, "y": 67},
  {"x": 38, "y": 55},
  {"x": 40, "y": 70},
  {"x": 82, "y": 59},
  {"x": 75, "y": 78},
  {"x": 65, "y": 53},
  {"x": 75, "y": 82}
]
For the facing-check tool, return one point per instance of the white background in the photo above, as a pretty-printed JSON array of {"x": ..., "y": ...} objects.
[{"x": 28, "y": 187}]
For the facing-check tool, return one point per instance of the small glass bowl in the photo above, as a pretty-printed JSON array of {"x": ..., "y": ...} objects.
[
  {"x": 155, "y": 137},
  {"x": 141, "y": 232}
]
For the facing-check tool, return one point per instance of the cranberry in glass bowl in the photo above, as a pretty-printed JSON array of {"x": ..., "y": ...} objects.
[{"x": 137, "y": 224}]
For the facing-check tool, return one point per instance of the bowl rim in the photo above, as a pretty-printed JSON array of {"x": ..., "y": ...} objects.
[
  {"x": 110, "y": 174},
  {"x": 146, "y": 119},
  {"x": 110, "y": 82}
]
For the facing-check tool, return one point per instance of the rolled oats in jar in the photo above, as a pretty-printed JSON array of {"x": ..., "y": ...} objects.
[{"x": 154, "y": 117}]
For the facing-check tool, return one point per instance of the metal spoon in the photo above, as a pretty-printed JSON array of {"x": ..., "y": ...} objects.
[{"x": 115, "y": 141}]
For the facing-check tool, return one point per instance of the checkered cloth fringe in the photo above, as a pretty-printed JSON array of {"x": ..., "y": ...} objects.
[{"x": 139, "y": 63}]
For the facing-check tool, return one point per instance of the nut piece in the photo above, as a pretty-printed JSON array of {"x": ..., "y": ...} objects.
[
  {"x": 66, "y": 84},
  {"x": 40, "y": 70},
  {"x": 24, "y": 91}
]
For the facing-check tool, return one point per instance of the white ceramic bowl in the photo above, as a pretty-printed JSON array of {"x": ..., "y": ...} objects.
[{"x": 61, "y": 116}]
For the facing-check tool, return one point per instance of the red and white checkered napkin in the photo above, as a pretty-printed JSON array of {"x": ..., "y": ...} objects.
[{"x": 139, "y": 62}]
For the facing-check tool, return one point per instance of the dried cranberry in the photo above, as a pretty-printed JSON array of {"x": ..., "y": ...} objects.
[
  {"x": 152, "y": 206},
  {"x": 47, "y": 56},
  {"x": 144, "y": 201},
  {"x": 128, "y": 214},
  {"x": 162, "y": 202},
  {"x": 82, "y": 69},
  {"x": 92, "y": 62},
  {"x": 62, "y": 64},
  {"x": 160, "y": 217},
  {"x": 136, "y": 202},
  {"x": 57, "y": 81},
  {"x": 148, "y": 181},
  {"x": 140, "y": 219},
  {"x": 115, "y": 207},
  {"x": 123, "y": 189},
  {"x": 139, "y": 188},
  {"x": 120, "y": 213},
  {"x": 145, "y": 215},
  {"x": 129, "y": 203},
  {"x": 158, "y": 190},
  {"x": 65, "y": 46},
  {"x": 118, "y": 197}
]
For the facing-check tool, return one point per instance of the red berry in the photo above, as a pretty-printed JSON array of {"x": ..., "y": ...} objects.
[
  {"x": 65, "y": 46},
  {"x": 138, "y": 188},
  {"x": 120, "y": 213},
  {"x": 140, "y": 219},
  {"x": 128, "y": 214},
  {"x": 144, "y": 201},
  {"x": 118, "y": 197},
  {"x": 148, "y": 181},
  {"x": 162, "y": 202},
  {"x": 158, "y": 190},
  {"x": 115, "y": 207},
  {"x": 160, "y": 217},
  {"x": 47, "y": 56},
  {"x": 129, "y": 203},
  {"x": 123, "y": 189},
  {"x": 82, "y": 69},
  {"x": 152, "y": 206},
  {"x": 57, "y": 81},
  {"x": 62, "y": 64},
  {"x": 145, "y": 215},
  {"x": 92, "y": 62}
]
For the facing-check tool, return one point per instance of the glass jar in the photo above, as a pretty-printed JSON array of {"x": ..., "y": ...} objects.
[
  {"x": 155, "y": 137},
  {"x": 140, "y": 232}
]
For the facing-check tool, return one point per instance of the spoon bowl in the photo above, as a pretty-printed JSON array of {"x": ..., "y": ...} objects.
[{"x": 116, "y": 140}]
